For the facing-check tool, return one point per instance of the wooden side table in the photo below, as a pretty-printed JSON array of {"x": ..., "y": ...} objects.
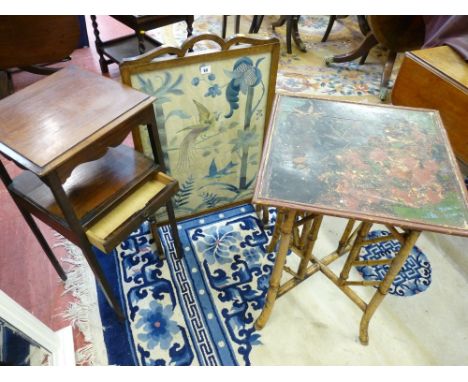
[
  {"x": 66, "y": 132},
  {"x": 115, "y": 50}
]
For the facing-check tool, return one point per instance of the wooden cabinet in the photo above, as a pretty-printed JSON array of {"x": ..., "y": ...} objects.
[{"x": 437, "y": 78}]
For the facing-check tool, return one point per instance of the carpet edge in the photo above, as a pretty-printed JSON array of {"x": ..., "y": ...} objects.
[{"x": 83, "y": 313}]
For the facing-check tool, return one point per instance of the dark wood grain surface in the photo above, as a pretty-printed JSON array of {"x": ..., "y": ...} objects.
[
  {"x": 44, "y": 121},
  {"x": 91, "y": 185},
  {"x": 437, "y": 78},
  {"x": 30, "y": 40}
]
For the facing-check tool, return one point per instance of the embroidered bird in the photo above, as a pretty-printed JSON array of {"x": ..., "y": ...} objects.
[{"x": 206, "y": 120}]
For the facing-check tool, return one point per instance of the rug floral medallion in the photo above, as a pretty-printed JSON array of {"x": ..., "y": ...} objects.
[{"x": 195, "y": 311}]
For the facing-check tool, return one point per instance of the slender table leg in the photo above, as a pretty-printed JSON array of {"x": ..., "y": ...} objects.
[
  {"x": 157, "y": 240},
  {"x": 286, "y": 230},
  {"x": 331, "y": 21},
  {"x": 384, "y": 286},
  {"x": 369, "y": 42},
  {"x": 33, "y": 226},
  {"x": 345, "y": 236},
  {"x": 288, "y": 35},
  {"x": 280, "y": 22},
  {"x": 276, "y": 231},
  {"x": 256, "y": 24},
  {"x": 386, "y": 75},
  {"x": 98, "y": 42},
  {"x": 158, "y": 159},
  {"x": 224, "y": 26},
  {"x": 354, "y": 253},
  {"x": 189, "y": 20},
  {"x": 141, "y": 41},
  {"x": 295, "y": 34},
  {"x": 237, "y": 24},
  {"x": 56, "y": 187},
  {"x": 311, "y": 239},
  {"x": 262, "y": 212},
  {"x": 174, "y": 229}
]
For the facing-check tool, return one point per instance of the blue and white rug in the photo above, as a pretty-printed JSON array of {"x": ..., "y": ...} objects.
[{"x": 201, "y": 310}]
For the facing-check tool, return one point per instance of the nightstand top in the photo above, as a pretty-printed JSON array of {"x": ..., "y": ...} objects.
[{"x": 70, "y": 109}]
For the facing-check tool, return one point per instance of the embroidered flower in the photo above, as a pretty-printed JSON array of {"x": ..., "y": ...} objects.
[
  {"x": 218, "y": 244},
  {"x": 213, "y": 91},
  {"x": 157, "y": 325},
  {"x": 211, "y": 77}
]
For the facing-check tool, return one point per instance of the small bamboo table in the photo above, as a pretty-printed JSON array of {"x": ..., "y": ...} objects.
[{"x": 373, "y": 164}]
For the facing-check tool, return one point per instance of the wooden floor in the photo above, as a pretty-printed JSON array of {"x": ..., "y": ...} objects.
[{"x": 25, "y": 272}]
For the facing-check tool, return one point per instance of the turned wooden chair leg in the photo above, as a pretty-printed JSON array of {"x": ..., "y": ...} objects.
[
  {"x": 280, "y": 22},
  {"x": 386, "y": 75},
  {"x": 189, "y": 20},
  {"x": 98, "y": 43},
  {"x": 237, "y": 24},
  {"x": 295, "y": 34},
  {"x": 224, "y": 27},
  {"x": 288, "y": 35},
  {"x": 331, "y": 21},
  {"x": 256, "y": 24},
  {"x": 369, "y": 42}
]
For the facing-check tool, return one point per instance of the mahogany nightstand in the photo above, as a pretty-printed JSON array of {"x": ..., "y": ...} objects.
[{"x": 66, "y": 132}]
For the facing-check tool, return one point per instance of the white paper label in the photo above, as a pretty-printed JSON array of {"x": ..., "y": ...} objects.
[{"x": 205, "y": 69}]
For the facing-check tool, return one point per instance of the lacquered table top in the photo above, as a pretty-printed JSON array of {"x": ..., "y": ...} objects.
[{"x": 384, "y": 164}]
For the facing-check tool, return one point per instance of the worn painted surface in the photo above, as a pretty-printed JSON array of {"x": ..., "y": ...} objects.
[{"x": 376, "y": 161}]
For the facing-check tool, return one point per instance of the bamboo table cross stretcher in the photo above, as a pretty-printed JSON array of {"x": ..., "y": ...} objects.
[{"x": 357, "y": 162}]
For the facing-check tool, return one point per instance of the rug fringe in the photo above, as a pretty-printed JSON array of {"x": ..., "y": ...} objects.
[{"x": 83, "y": 313}]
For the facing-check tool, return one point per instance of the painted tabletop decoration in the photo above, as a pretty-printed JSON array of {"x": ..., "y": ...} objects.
[{"x": 380, "y": 163}]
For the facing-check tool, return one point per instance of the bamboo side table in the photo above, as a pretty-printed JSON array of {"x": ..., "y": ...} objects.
[
  {"x": 66, "y": 132},
  {"x": 373, "y": 164}
]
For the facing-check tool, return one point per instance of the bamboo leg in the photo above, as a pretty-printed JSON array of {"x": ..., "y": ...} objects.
[
  {"x": 345, "y": 236},
  {"x": 276, "y": 232},
  {"x": 311, "y": 239},
  {"x": 286, "y": 230},
  {"x": 395, "y": 267},
  {"x": 305, "y": 234},
  {"x": 354, "y": 253}
]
